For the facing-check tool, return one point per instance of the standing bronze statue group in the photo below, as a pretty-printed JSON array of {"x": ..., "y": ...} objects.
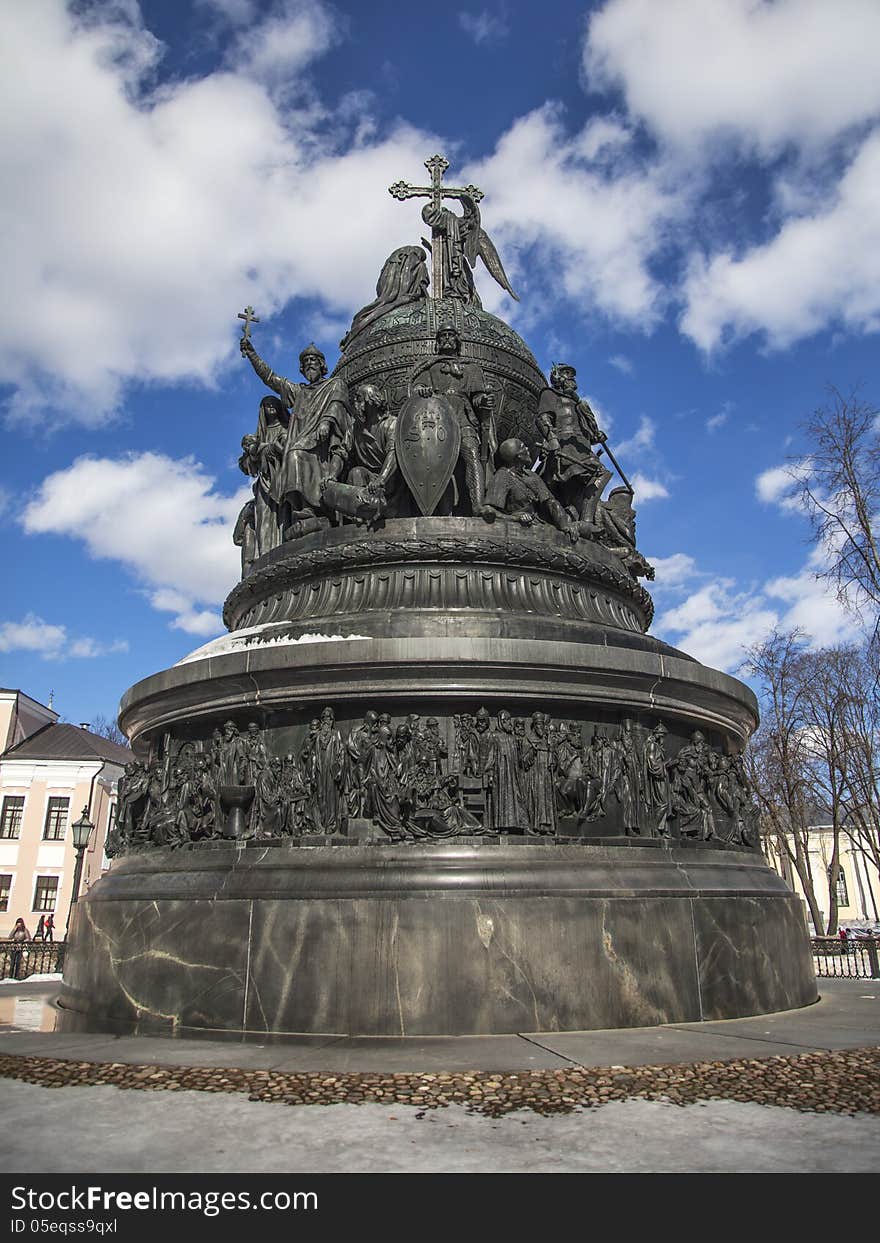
[{"x": 322, "y": 456}]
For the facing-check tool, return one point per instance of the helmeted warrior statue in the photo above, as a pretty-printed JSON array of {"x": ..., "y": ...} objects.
[
  {"x": 569, "y": 427},
  {"x": 519, "y": 491},
  {"x": 471, "y": 404}
]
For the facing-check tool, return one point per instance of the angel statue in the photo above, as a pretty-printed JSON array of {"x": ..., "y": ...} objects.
[
  {"x": 457, "y": 241},
  {"x": 462, "y": 241}
]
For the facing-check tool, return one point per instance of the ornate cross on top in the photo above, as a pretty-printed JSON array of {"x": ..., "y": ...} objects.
[
  {"x": 436, "y": 192},
  {"x": 249, "y": 318}
]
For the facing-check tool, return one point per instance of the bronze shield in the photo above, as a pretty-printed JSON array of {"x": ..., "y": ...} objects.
[{"x": 427, "y": 440}]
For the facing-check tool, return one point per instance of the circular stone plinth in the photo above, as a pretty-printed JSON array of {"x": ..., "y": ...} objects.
[{"x": 505, "y": 936}]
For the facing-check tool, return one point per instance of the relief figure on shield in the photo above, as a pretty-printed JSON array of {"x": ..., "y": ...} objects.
[{"x": 448, "y": 417}]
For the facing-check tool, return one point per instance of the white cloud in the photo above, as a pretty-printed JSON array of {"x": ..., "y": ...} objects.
[
  {"x": 813, "y": 608},
  {"x": 820, "y": 269},
  {"x": 189, "y": 619},
  {"x": 134, "y": 226},
  {"x": 277, "y": 49},
  {"x": 647, "y": 489},
  {"x": 674, "y": 570},
  {"x": 132, "y": 268},
  {"x": 89, "y": 648},
  {"x": 794, "y": 71},
  {"x": 52, "y": 642},
  {"x": 794, "y": 85},
  {"x": 597, "y": 227},
  {"x": 716, "y": 624},
  {"x": 719, "y": 620},
  {"x": 773, "y": 486},
  {"x": 160, "y": 518},
  {"x": 622, "y": 363},
  {"x": 641, "y": 440},
  {"x": 716, "y": 421},
  {"x": 484, "y": 27}
]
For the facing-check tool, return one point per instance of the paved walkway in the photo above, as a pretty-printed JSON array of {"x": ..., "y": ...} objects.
[
  {"x": 847, "y": 1016},
  {"x": 194, "y": 1131}
]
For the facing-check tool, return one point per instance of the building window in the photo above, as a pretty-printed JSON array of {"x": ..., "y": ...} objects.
[
  {"x": 45, "y": 893},
  {"x": 842, "y": 895},
  {"x": 10, "y": 818},
  {"x": 56, "y": 820},
  {"x": 5, "y": 886}
]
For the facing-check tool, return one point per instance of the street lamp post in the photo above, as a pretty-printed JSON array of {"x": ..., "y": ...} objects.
[{"x": 82, "y": 831}]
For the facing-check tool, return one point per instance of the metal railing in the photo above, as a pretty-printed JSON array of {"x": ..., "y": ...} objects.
[
  {"x": 856, "y": 958},
  {"x": 20, "y": 959}
]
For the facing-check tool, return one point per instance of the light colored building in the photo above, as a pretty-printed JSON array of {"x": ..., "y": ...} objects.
[
  {"x": 858, "y": 890},
  {"x": 49, "y": 773}
]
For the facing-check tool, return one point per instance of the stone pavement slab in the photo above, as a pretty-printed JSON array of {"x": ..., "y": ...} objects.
[{"x": 846, "y": 1016}]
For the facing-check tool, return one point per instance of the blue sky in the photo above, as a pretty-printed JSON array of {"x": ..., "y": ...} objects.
[{"x": 684, "y": 195}]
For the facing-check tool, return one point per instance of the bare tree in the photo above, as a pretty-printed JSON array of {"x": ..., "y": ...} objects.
[
  {"x": 839, "y": 485},
  {"x": 862, "y": 763},
  {"x": 825, "y": 679},
  {"x": 778, "y": 760},
  {"x": 107, "y": 728}
]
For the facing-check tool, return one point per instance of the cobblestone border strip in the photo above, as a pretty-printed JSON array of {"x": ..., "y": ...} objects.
[{"x": 840, "y": 1082}]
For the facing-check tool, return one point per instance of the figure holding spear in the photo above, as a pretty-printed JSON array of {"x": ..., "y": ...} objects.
[{"x": 572, "y": 470}]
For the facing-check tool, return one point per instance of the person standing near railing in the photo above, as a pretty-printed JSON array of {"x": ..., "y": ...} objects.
[
  {"x": 49, "y": 928},
  {"x": 18, "y": 938}
]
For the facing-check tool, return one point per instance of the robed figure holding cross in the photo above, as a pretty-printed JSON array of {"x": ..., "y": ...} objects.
[{"x": 318, "y": 433}]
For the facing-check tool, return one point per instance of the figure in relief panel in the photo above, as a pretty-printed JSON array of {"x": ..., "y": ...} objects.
[
  {"x": 269, "y": 799},
  {"x": 466, "y": 745},
  {"x": 360, "y": 745},
  {"x": 233, "y": 758},
  {"x": 628, "y": 788},
  {"x": 508, "y": 813},
  {"x": 328, "y": 764},
  {"x": 571, "y": 785},
  {"x": 657, "y": 781},
  {"x": 538, "y": 778},
  {"x": 448, "y": 815},
  {"x": 384, "y": 786},
  {"x": 690, "y": 801}
]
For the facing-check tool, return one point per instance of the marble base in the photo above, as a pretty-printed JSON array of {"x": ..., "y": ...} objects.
[{"x": 275, "y": 941}]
